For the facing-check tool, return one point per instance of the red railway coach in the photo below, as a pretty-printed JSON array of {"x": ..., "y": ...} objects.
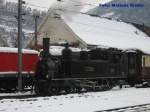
[{"x": 9, "y": 67}]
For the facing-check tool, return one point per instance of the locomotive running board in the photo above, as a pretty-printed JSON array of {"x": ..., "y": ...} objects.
[
  {"x": 88, "y": 78},
  {"x": 14, "y": 74}
]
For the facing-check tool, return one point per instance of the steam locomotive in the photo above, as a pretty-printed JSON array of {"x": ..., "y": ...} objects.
[{"x": 86, "y": 70}]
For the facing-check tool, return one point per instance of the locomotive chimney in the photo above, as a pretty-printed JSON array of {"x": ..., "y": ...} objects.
[{"x": 46, "y": 47}]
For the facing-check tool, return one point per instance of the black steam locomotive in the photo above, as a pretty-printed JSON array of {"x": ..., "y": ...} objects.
[{"x": 93, "y": 70}]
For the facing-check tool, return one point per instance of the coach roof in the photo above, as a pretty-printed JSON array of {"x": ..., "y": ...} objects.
[{"x": 15, "y": 50}]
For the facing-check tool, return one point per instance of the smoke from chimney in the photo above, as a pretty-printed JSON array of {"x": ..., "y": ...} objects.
[{"x": 67, "y": 8}]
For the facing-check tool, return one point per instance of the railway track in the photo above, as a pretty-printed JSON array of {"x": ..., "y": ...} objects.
[
  {"x": 136, "y": 108},
  {"x": 18, "y": 96}
]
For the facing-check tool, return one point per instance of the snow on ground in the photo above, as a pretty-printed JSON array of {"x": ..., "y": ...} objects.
[{"x": 86, "y": 102}]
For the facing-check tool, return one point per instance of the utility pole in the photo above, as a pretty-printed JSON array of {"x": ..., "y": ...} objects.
[
  {"x": 35, "y": 32},
  {"x": 19, "y": 45}
]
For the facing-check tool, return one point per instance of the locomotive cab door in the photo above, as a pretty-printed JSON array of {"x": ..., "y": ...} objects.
[{"x": 133, "y": 66}]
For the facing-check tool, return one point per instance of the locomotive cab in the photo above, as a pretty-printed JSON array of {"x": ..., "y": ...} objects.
[{"x": 132, "y": 66}]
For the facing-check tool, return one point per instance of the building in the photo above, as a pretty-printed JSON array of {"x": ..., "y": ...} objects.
[
  {"x": 54, "y": 27},
  {"x": 87, "y": 31}
]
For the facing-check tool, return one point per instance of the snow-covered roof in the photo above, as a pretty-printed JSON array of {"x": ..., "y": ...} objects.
[
  {"x": 15, "y": 50},
  {"x": 111, "y": 33},
  {"x": 57, "y": 50}
]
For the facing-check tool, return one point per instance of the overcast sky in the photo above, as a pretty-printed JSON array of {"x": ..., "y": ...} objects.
[
  {"x": 42, "y": 3},
  {"x": 45, "y": 4}
]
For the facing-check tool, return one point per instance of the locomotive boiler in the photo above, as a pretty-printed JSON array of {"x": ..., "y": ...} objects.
[{"x": 89, "y": 70}]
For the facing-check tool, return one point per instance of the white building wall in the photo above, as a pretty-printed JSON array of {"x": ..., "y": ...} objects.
[{"x": 55, "y": 28}]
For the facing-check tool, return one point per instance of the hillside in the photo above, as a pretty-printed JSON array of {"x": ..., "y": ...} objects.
[
  {"x": 139, "y": 15},
  {"x": 8, "y": 23}
]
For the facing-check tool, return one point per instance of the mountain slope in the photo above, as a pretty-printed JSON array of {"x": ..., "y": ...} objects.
[
  {"x": 139, "y": 15},
  {"x": 8, "y": 23}
]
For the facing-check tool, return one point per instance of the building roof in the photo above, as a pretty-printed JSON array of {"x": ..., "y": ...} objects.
[
  {"x": 90, "y": 30},
  {"x": 15, "y": 50},
  {"x": 111, "y": 33}
]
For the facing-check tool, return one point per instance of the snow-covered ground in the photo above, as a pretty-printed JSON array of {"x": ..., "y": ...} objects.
[{"x": 86, "y": 102}]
